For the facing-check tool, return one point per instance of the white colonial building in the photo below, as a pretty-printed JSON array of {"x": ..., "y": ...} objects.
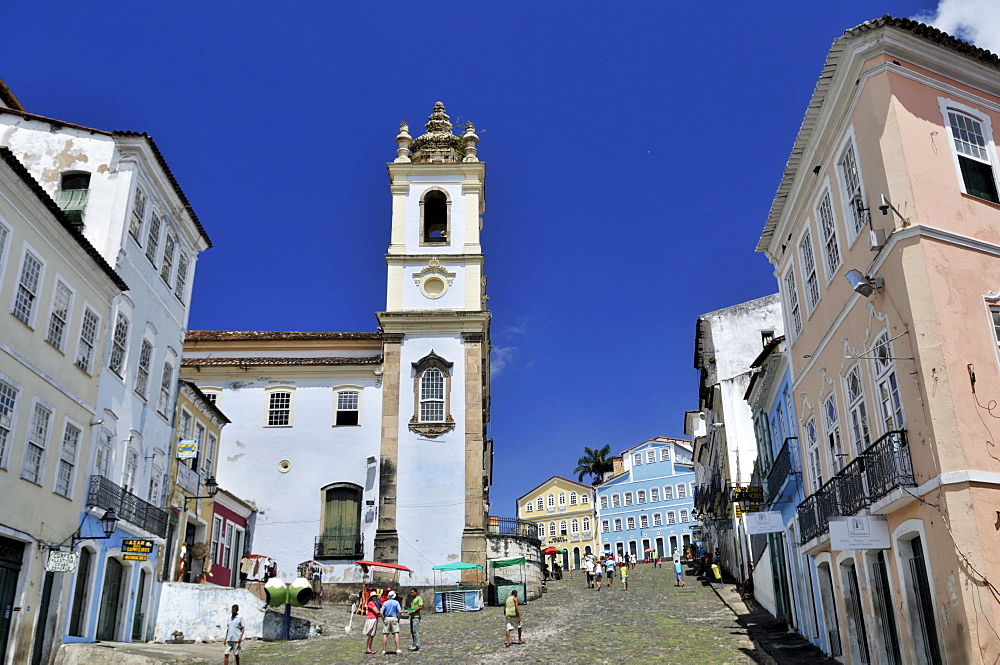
[{"x": 372, "y": 445}]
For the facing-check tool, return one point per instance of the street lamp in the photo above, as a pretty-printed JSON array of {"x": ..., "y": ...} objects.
[
  {"x": 109, "y": 522},
  {"x": 211, "y": 485}
]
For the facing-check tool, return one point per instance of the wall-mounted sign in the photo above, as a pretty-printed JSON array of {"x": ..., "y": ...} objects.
[
  {"x": 136, "y": 550},
  {"x": 723, "y": 525},
  {"x": 765, "y": 521},
  {"x": 187, "y": 449},
  {"x": 557, "y": 539},
  {"x": 861, "y": 532},
  {"x": 61, "y": 562},
  {"x": 748, "y": 494}
]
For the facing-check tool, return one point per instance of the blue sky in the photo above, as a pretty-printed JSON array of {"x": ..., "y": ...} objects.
[{"x": 632, "y": 151}]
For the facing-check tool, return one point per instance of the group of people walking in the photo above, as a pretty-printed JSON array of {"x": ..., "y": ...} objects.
[
  {"x": 389, "y": 612},
  {"x": 601, "y": 570}
]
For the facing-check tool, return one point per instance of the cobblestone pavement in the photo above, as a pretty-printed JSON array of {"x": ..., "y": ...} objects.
[{"x": 652, "y": 622}]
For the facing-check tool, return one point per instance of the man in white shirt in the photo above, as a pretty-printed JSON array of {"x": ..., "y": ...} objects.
[{"x": 234, "y": 636}]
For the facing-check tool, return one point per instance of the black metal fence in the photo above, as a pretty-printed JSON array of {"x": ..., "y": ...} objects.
[
  {"x": 780, "y": 468},
  {"x": 339, "y": 547},
  {"x": 105, "y": 494},
  {"x": 882, "y": 467},
  {"x": 510, "y": 526}
]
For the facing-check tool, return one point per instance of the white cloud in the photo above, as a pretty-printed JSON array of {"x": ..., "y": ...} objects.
[
  {"x": 976, "y": 21},
  {"x": 518, "y": 328},
  {"x": 502, "y": 355}
]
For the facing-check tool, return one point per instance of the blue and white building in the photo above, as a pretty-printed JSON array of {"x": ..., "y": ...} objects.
[{"x": 647, "y": 504}]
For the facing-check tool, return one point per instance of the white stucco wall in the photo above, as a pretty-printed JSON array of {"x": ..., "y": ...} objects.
[
  {"x": 451, "y": 184},
  {"x": 201, "y": 612}
]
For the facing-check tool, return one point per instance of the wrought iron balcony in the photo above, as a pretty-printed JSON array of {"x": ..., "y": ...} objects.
[
  {"x": 780, "y": 469},
  {"x": 105, "y": 494},
  {"x": 511, "y": 526},
  {"x": 350, "y": 546},
  {"x": 882, "y": 467}
]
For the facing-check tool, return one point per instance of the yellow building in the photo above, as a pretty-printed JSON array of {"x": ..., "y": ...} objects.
[{"x": 564, "y": 512}]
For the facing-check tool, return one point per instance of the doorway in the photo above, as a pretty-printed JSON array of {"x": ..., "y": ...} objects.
[
  {"x": 11, "y": 552},
  {"x": 43, "y": 615},
  {"x": 111, "y": 594}
]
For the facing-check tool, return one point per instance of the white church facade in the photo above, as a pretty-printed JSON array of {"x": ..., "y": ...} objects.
[{"x": 372, "y": 445}]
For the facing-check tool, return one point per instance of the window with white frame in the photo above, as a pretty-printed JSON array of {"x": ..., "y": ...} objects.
[
  {"x": 640, "y": 496},
  {"x": 832, "y": 422},
  {"x": 181, "y": 279},
  {"x": 828, "y": 231},
  {"x": 216, "y": 538},
  {"x": 432, "y": 396},
  {"x": 279, "y": 408},
  {"x": 119, "y": 345},
  {"x": 169, "y": 249},
  {"x": 8, "y": 402},
  {"x": 184, "y": 429},
  {"x": 650, "y": 456},
  {"x": 636, "y": 459},
  {"x": 142, "y": 368},
  {"x": 654, "y": 494},
  {"x": 227, "y": 548},
  {"x": 630, "y": 523},
  {"x": 886, "y": 386},
  {"x": 605, "y": 526},
  {"x": 668, "y": 493},
  {"x": 808, "y": 259},
  {"x": 682, "y": 491},
  {"x": 38, "y": 438},
  {"x": 813, "y": 456},
  {"x": 197, "y": 461},
  {"x": 348, "y": 408},
  {"x": 572, "y": 498},
  {"x": 541, "y": 506},
  {"x": 618, "y": 524},
  {"x": 166, "y": 387},
  {"x": 105, "y": 452},
  {"x": 138, "y": 215},
  {"x": 153, "y": 238},
  {"x": 155, "y": 478},
  {"x": 585, "y": 498},
  {"x": 27, "y": 288},
  {"x": 574, "y": 526},
  {"x": 854, "y": 202},
  {"x": 59, "y": 317},
  {"x": 67, "y": 460},
  {"x": 628, "y": 498},
  {"x": 971, "y": 141},
  {"x": 857, "y": 410},
  {"x": 562, "y": 528},
  {"x": 586, "y": 524},
  {"x": 604, "y": 503},
  {"x": 529, "y": 507},
  {"x": 562, "y": 498},
  {"x": 664, "y": 454},
  {"x": 88, "y": 338},
  {"x": 4, "y": 239},
  {"x": 432, "y": 389},
  {"x": 616, "y": 501},
  {"x": 552, "y": 528},
  {"x": 995, "y": 315},
  {"x": 671, "y": 517},
  {"x": 550, "y": 500},
  {"x": 657, "y": 519},
  {"x": 684, "y": 516},
  {"x": 211, "y": 447},
  {"x": 643, "y": 521},
  {"x": 792, "y": 298}
]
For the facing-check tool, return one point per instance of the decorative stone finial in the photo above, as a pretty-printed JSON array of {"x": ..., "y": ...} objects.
[
  {"x": 470, "y": 143},
  {"x": 438, "y": 144},
  {"x": 403, "y": 140}
]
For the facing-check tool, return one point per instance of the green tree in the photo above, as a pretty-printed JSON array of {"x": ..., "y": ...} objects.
[{"x": 595, "y": 463}]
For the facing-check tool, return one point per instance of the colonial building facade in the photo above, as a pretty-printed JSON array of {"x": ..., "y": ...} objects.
[
  {"x": 566, "y": 518},
  {"x": 377, "y": 440}
]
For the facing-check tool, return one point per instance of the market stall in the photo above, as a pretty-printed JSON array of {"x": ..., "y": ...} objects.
[
  {"x": 513, "y": 578},
  {"x": 457, "y": 596},
  {"x": 390, "y": 580}
]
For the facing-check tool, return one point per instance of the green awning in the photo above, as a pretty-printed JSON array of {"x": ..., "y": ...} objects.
[
  {"x": 458, "y": 565},
  {"x": 503, "y": 563}
]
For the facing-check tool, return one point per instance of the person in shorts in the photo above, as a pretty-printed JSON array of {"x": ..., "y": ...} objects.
[
  {"x": 598, "y": 573},
  {"x": 371, "y": 620},
  {"x": 512, "y": 617},
  {"x": 609, "y": 571},
  {"x": 235, "y": 629},
  {"x": 390, "y": 621},
  {"x": 679, "y": 573}
]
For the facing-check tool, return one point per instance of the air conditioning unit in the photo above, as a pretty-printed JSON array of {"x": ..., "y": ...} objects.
[{"x": 876, "y": 239}]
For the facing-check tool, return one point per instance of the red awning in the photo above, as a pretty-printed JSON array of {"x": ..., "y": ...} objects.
[{"x": 377, "y": 564}]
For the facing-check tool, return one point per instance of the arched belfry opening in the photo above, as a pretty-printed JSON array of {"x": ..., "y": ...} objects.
[{"x": 435, "y": 218}]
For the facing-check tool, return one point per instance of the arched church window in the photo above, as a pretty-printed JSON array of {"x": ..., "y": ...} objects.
[
  {"x": 432, "y": 395},
  {"x": 434, "y": 209}
]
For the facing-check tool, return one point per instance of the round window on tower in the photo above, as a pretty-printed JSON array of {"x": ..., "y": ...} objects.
[{"x": 433, "y": 286}]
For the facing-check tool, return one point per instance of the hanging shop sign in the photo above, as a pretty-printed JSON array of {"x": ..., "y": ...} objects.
[
  {"x": 136, "y": 550},
  {"x": 61, "y": 562},
  {"x": 753, "y": 494},
  {"x": 723, "y": 525},
  {"x": 861, "y": 532},
  {"x": 765, "y": 521},
  {"x": 187, "y": 449}
]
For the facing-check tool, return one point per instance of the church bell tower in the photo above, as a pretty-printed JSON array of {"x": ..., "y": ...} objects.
[{"x": 435, "y": 462}]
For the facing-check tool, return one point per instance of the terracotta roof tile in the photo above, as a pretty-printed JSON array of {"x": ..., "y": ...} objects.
[
  {"x": 248, "y": 335},
  {"x": 280, "y": 361}
]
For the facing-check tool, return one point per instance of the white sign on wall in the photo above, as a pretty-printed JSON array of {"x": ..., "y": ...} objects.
[
  {"x": 860, "y": 532},
  {"x": 766, "y": 521},
  {"x": 61, "y": 562}
]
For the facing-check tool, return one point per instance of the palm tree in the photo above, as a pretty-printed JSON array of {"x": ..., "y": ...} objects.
[{"x": 595, "y": 463}]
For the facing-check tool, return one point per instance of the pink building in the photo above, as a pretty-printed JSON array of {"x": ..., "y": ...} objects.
[
  {"x": 885, "y": 240},
  {"x": 232, "y": 533}
]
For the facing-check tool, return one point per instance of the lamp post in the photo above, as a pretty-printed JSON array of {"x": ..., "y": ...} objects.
[
  {"x": 211, "y": 486},
  {"x": 109, "y": 523}
]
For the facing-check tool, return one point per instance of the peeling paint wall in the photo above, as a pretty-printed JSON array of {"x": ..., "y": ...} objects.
[{"x": 201, "y": 612}]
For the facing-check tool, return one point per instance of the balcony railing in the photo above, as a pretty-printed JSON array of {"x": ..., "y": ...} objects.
[
  {"x": 105, "y": 494},
  {"x": 779, "y": 471},
  {"x": 511, "y": 526},
  {"x": 881, "y": 468},
  {"x": 339, "y": 547}
]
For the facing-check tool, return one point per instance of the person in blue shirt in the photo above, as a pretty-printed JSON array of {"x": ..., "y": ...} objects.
[
  {"x": 679, "y": 572},
  {"x": 390, "y": 621}
]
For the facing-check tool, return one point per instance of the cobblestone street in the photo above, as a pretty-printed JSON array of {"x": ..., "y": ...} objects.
[{"x": 653, "y": 622}]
